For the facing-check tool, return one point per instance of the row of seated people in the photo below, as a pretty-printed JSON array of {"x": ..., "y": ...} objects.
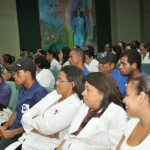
[
  {"x": 118, "y": 49},
  {"x": 130, "y": 67},
  {"x": 83, "y": 113},
  {"x": 62, "y": 59}
]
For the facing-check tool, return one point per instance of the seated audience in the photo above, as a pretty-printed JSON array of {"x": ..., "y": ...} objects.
[
  {"x": 90, "y": 62},
  {"x": 145, "y": 54},
  {"x": 137, "y": 101},
  {"x": 48, "y": 120},
  {"x": 7, "y": 60},
  {"x": 101, "y": 120},
  {"x": 131, "y": 46},
  {"x": 5, "y": 92},
  {"x": 43, "y": 75},
  {"x": 77, "y": 58},
  {"x": 29, "y": 94},
  {"x": 64, "y": 56},
  {"x": 51, "y": 57}
]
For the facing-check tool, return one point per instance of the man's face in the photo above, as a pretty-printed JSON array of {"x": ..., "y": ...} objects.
[
  {"x": 88, "y": 59},
  {"x": 107, "y": 68},
  {"x": 107, "y": 48},
  {"x": 143, "y": 51},
  {"x": 21, "y": 77},
  {"x": 125, "y": 67},
  {"x": 74, "y": 59},
  {"x": 49, "y": 57}
]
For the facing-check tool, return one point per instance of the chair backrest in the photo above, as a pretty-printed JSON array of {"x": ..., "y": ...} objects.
[
  {"x": 117, "y": 65},
  {"x": 49, "y": 89},
  {"x": 55, "y": 72},
  {"x": 14, "y": 95},
  {"x": 145, "y": 68}
]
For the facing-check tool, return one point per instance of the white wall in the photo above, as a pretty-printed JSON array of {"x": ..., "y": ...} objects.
[
  {"x": 9, "y": 35},
  {"x": 146, "y": 20}
]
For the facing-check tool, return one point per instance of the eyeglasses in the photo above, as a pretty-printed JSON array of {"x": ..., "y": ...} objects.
[{"x": 61, "y": 81}]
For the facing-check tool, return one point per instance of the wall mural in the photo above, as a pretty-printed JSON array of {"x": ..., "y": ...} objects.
[{"x": 67, "y": 23}]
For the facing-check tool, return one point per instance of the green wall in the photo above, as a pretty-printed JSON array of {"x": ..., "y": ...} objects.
[
  {"x": 29, "y": 27},
  {"x": 103, "y": 23}
]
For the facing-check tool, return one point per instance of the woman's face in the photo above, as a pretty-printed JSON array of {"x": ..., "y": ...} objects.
[
  {"x": 132, "y": 100},
  {"x": 63, "y": 86},
  {"x": 88, "y": 59},
  {"x": 60, "y": 55},
  {"x": 107, "y": 48},
  {"x": 3, "y": 63},
  {"x": 92, "y": 97}
]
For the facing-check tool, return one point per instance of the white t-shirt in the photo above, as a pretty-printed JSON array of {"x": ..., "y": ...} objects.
[
  {"x": 66, "y": 63},
  {"x": 93, "y": 66},
  {"x": 55, "y": 64},
  {"x": 46, "y": 78},
  {"x": 145, "y": 145},
  {"x": 146, "y": 59}
]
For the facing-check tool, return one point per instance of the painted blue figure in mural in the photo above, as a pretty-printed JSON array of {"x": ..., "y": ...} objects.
[
  {"x": 78, "y": 29},
  {"x": 87, "y": 4}
]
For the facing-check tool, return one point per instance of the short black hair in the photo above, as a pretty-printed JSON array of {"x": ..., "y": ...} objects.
[
  {"x": 8, "y": 58},
  {"x": 79, "y": 52},
  {"x": 76, "y": 75},
  {"x": 89, "y": 53},
  {"x": 42, "y": 62},
  {"x": 133, "y": 56}
]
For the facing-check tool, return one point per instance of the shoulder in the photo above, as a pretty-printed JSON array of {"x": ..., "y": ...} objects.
[
  {"x": 131, "y": 125},
  {"x": 143, "y": 73},
  {"x": 66, "y": 63},
  {"x": 114, "y": 110},
  {"x": 4, "y": 86},
  {"x": 45, "y": 72},
  {"x": 116, "y": 74},
  {"x": 94, "y": 61},
  {"x": 37, "y": 88},
  {"x": 55, "y": 61},
  {"x": 85, "y": 71}
]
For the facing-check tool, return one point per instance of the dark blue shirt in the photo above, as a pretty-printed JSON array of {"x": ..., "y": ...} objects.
[
  {"x": 26, "y": 99},
  {"x": 5, "y": 93}
]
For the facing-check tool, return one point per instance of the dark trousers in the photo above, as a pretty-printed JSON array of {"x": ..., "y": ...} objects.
[{"x": 6, "y": 142}]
